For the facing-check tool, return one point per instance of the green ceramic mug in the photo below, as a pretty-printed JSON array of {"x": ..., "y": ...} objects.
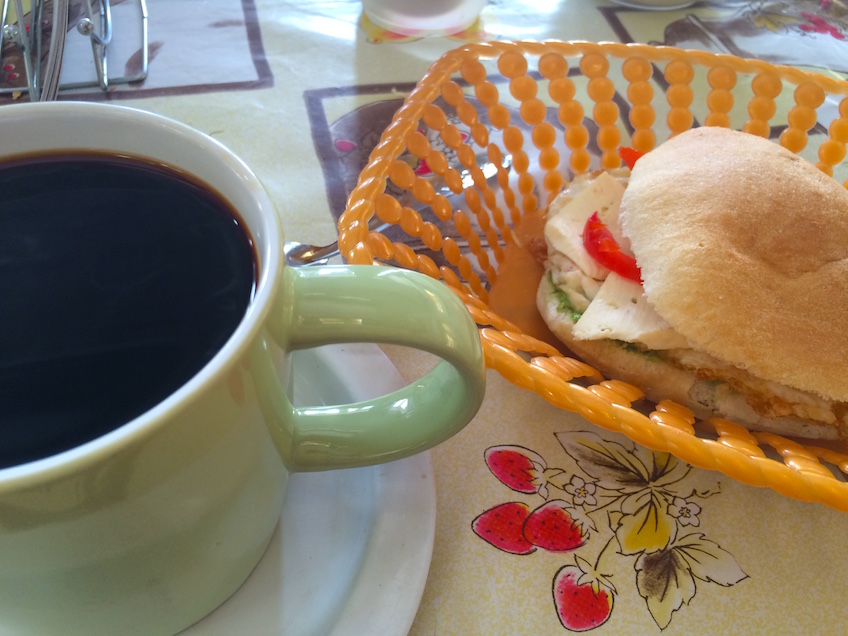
[{"x": 149, "y": 527}]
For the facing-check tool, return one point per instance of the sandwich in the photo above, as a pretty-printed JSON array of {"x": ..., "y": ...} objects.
[{"x": 714, "y": 274}]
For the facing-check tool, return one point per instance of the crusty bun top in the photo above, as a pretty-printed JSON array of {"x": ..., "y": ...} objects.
[{"x": 743, "y": 248}]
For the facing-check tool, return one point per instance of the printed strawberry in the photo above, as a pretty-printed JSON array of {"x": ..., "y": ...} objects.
[
  {"x": 552, "y": 528},
  {"x": 516, "y": 467},
  {"x": 501, "y": 527},
  {"x": 583, "y": 601}
]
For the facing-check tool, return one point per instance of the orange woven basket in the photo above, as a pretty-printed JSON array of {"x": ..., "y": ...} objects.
[{"x": 554, "y": 110}]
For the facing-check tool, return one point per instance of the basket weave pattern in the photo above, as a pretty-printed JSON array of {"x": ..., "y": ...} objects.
[{"x": 603, "y": 96}]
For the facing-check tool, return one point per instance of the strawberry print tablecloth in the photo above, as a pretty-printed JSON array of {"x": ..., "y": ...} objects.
[{"x": 546, "y": 525}]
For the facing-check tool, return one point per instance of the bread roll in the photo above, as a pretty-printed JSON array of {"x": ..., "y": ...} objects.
[{"x": 743, "y": 250}]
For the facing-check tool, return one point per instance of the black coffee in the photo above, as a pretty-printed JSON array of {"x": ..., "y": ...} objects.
[{"x": 119, "y": 280}]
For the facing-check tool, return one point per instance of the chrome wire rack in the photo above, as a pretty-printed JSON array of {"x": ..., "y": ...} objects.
[{"x": 43, "y": 45}]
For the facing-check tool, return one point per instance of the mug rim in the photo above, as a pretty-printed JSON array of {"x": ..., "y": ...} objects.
[{"x": 267, "y": 240}]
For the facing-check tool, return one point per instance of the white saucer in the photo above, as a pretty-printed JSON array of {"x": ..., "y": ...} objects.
[{"x": 352, "y": 552}]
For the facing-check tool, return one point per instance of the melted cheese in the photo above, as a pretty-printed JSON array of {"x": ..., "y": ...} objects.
[
  {"x": 620, "y": 311},
  {"x": 568, "y": 216}
]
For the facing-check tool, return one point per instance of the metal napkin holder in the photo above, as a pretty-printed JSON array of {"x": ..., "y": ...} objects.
[{"x": 40, "y": 42}]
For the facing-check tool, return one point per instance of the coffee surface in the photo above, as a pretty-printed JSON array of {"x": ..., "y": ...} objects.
[{"x": 119, "y": 281}]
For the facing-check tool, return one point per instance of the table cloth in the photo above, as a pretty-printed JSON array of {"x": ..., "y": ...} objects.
[{"x": 302, "y": 90}]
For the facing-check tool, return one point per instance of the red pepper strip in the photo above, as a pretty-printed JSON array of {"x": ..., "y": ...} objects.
[
  {"x": 629, "y": 156},
  {"x": 602, "y": 246}
]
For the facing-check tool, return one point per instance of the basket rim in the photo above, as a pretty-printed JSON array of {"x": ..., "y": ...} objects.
[
  {"x": 798, "y": 481},
  {"x": 371, "y": 180}
]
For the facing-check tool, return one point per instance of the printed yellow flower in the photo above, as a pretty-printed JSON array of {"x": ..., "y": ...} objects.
[
  {"x": 685, "y": 512},
  {"x": 581, "y": 491}
]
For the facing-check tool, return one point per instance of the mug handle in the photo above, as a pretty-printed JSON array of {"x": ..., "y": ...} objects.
[{"x": 367, "y": 303}]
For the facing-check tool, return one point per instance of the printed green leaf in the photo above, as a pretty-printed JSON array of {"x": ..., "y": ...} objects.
[
  {"x": 555, "y": 477},
  {"x": 664, "y": 581},
  {"x": 645, "y": 525},
  {"x": 670, "y": 474},
  {"x": 708, "y": 561},
  {"x": 582, "y": 519},
  {"x": 612, "y": 465},
  {"x": 666, "y": 578},
  {"x": 666, "y": 470}
]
